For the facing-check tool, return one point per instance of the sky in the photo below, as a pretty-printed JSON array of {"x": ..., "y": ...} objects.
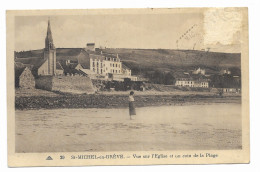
[{"x": 166, "y": 31}]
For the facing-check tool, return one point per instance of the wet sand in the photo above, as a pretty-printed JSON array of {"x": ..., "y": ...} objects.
[{"x": 196, "y": 127}]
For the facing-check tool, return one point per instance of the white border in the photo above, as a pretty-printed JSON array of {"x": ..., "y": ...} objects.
[{"x": 254, "y": 29}]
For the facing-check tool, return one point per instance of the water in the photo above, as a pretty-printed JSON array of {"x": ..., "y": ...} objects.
[{"x": 215, "y": 126}]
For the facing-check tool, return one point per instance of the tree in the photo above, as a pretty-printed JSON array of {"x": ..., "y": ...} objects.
[{"x": 169, "y": 79}]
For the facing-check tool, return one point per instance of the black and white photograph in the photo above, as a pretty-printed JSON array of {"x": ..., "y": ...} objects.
[{"x": 143, "y": 80}]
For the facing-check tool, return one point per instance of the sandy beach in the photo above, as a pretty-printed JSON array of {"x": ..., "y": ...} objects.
[{"x": 196, "y": 127}]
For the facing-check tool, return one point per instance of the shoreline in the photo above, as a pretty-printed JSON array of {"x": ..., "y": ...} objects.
[{"x": 106, "y": 101}]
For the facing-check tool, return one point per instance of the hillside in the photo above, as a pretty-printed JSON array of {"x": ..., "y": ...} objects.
[
  {"x": 163, "y": 57},
  {"x": 159, "y": 59}
]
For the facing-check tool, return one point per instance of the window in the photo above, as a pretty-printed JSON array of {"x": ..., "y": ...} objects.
[
  {"x": 93, "y": 64},
  {"x": 116, "y": 71},
  {"x": 101, "y": 71},
  {"x": 113, "y": 65},
  {"x": 113, "y": 71},
  {"x": 116, "y": 65},
  {"x": 119, "y": 71}
]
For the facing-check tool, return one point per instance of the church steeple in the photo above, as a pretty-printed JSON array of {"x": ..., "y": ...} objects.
[
  {"x": 48, "y": 40},
  {"x": 50, "y": 52}
]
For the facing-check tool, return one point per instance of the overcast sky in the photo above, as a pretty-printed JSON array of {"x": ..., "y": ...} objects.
[{"x": 169, "y": 31}]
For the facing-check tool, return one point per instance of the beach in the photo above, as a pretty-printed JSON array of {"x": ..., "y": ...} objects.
[{"x": 214, "y": 126}]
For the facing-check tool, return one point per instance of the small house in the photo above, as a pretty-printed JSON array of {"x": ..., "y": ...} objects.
[{"x": 24, "y": 78}]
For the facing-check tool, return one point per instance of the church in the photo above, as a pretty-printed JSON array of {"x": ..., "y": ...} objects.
[
  {"x": 71, "y": 69},
  {"x": 49, "y": 65},
  {"x": 86, "y": 61}
]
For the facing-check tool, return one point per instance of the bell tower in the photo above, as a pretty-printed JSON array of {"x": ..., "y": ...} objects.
[{"x": 50, "y": 51}]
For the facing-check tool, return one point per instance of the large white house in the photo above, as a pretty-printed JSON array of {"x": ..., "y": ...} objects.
[
  {"x": 190, "y": 82},
  {"x": 105, "y": 64}
]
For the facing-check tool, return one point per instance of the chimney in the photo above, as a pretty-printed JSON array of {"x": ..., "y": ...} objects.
[{"x": 90, "y": 47}]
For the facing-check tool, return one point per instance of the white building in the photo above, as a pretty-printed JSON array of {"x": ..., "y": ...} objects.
[
  {"x": 199, "y": 71},
  {"x": 105, "y": 64},
  {"x": 225, "y": 71},
  {"x": 190, "y": 82}
]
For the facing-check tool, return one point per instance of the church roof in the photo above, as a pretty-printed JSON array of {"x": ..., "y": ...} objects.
[
  {"x": 48, "y": 40},
  {"x": 49, "y": 34},
  {"x": 58, "y": 66}
]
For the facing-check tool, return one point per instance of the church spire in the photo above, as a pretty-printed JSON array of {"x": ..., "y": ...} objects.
[{"x": 48, "y": 40}]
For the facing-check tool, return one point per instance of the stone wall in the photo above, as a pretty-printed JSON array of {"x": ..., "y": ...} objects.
[
  {"x": 73, "y": 84},
  {"x": 66, "y": 84},
  {"x": 44, "y": 82}
]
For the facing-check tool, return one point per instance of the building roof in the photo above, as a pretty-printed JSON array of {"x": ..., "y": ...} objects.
[
  {"x": 125, "y": 67},
  {"x": 36, "y": 66},
  {"x": 97, "y": 56},
  {"x": 33, "y": 63},
  {"x": 87, "y": 71},
  {"x": 110, "y": 55},
  {"x": 19, "y": 71},
  {"x": 70, "y": 68},
  {"x": 58, "y": 66},
  {"x": 75, "y": 55},
  {"x": 73, "y": 65},
  {"x": 84, "y": 65}
]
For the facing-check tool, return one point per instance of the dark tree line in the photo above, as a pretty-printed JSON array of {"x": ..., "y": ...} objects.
[
  {"x": 158, "y": 77},
  {"x": 225, "y": 81}
]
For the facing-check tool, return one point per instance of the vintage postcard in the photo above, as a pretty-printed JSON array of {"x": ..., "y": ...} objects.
[{"x": 127, "y": 86}]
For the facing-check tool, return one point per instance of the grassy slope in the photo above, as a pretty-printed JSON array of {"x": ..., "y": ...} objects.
[
  {"x": 162, "y": 59},
  {"x": 172, "y": 59}
]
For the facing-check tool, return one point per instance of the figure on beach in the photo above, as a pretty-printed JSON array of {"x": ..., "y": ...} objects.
[{"x": 131, "y": 104}]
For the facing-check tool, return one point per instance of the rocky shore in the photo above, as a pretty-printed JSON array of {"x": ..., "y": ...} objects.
[{"x": 115, "y": 101}]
